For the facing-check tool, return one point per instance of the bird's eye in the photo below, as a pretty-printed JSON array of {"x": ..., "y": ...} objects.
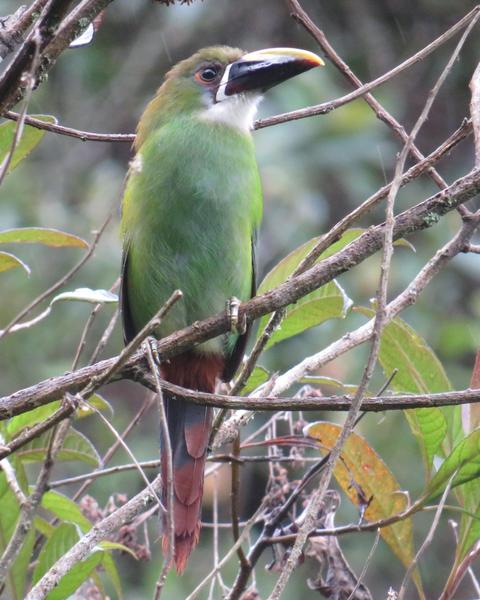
[{"x": 209, "y": 74}]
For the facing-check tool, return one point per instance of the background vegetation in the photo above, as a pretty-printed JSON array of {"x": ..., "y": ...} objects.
[{"x": 314, "y": 172}]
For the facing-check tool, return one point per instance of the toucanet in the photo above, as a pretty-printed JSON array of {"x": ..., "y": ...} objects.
[{"x": 191, "y": 210}]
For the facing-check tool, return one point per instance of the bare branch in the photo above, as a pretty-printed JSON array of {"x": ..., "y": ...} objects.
[
  {"x": 326, "y": 107},
  {"x": 475, "y": 111},
  {"x": 419, "y": 217}
]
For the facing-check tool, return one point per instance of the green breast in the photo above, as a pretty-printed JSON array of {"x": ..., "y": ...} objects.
[{"x": 189, "y": 215}]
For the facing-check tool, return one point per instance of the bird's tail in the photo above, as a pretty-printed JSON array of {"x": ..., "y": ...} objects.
[{"x": 189, "y": 426}]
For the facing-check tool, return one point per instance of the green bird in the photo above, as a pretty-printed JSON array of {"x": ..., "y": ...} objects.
[{"x": 191, "y": 210}]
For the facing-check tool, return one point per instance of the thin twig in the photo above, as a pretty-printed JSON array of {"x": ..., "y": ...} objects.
[
  {"x": 300, "y": 15},
  {"x": 475, "y": 111},
  {"x": 101, "y": 531},
  {"x": 11, "y": 477},
  {"x": 105, "y": 337},
  {"x": 67, "y": 408},
  {"x": 327, "y": 107},
  {"x": 89, "y": 477},
  {"x": 419, "y": 217},
  {"x": 427, "y": 541},
  {"x": 63, "y": 280},
  {"x": 84, "y": 136},
  {"x": 366, "y": 565},
  {"x": 91, "y": 318},
  {"x": 29, "y": 507},
  {"x": 168, "y": 483}
]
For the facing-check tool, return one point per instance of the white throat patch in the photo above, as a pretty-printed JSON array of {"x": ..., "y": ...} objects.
[{"x": 237, "y": 111}]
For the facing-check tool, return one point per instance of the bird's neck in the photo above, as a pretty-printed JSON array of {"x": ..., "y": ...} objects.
[{"x": 238, "y": 111}]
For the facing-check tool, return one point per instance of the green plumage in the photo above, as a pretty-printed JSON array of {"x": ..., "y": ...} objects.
[{"x": 191, "y": 208}]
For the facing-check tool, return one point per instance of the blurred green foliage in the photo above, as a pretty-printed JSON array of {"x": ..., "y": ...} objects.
[{"x": 314, "y": 171}]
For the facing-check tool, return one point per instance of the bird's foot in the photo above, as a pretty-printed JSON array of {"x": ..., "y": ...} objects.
[{"x": 237, "y": 325}]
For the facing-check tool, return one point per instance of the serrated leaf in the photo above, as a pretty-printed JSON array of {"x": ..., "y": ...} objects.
[
  {"x": 30, "y": 138},
  {"x": 64, "y": 537},
  {"x": 75, "y": 447},
  {"x": 9, "y": 261},
  {"x": 360, "y": 463},
  {"x": 41, "y": 235},
  {"x": 65, "y": 509},
  {"x": 259, "y": 375},
  {"x": 87, "y": 295},
  {"x": 463, "y": 461},
  {"x": 419, "y": 372}
]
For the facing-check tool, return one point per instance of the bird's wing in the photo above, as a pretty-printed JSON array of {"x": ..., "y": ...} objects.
[
  {"x": 233, "y": 361},
  {"x": 127, "y": 321}
]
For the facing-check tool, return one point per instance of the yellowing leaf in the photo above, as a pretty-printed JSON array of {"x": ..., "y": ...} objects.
[
  {"x": 41, "y": 235},
  {"x": 10, "y": 261},
  {"x": 360, "y": 467},
  {"x": 419, "y": 371}
]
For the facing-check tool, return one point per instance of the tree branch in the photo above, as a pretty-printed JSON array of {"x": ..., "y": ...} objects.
[{"x": 419, "y": 217}]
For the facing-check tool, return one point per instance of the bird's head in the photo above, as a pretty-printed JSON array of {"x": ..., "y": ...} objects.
[{"x": 223, "y": 84}]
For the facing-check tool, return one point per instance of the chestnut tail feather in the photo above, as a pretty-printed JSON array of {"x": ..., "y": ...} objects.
[{"x": 189, "y": 427}]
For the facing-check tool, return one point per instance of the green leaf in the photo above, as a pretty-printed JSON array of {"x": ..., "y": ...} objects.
[
  {"x": 30, "y": 138},
  {"x": 469, "y": 532},
  {"x": 419, "y": 372},
  {"x": 75, "y": 447},
  {"x": 110, "y": 567},
  {"x": 60, "y": 542},
  {"x": 328, "y": 302},
  {"x": 10, "y": 261},
  {"x": 364, "y": 466},
  {"x": 106, "y": 545},
  {"x": 41, "y": 235},
  {"x": 18, "y": 573},
  {"x": 43, "y": 526},
  {"x": 94, "y": 402},
  {"x": 65, "y": 509},
  {"x": 324, "y": 381},
  {"x": 64, "y": 537},
  {"x": 463, "y": 461},
  {"x": 41, "y": 413},
  {"x": 9, "y": 514},
  {"x": 282, "y": 270},
  {"x": 259, "y": 375},
  {"x": 87, "y": 295},
  {"x": 30, "y": 418}
]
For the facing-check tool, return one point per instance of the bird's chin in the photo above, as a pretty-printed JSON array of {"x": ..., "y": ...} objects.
[{"x": 237, "y": 111}]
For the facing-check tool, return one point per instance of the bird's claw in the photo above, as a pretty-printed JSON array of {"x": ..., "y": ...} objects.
[{"x": 237, "y": 325}]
